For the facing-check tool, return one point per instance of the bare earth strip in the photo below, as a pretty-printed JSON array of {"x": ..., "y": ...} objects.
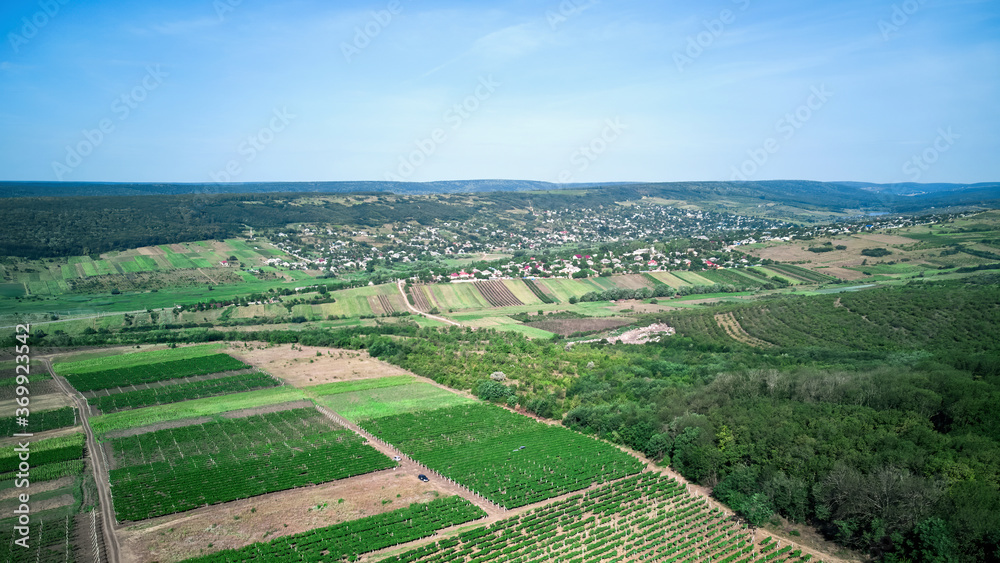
[
  {"x": 728, "y": 323},
  {"x": 299, "y": 366}
]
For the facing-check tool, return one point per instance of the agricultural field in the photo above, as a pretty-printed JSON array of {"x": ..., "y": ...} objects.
[
  {"x": 348, "y": 540},
  {"x": 169, "y": 265},
  {"x": 670, "y": 279},
  {"x": 151, "y": 373},
  {"x": 120, "y": 421},
  {"x": 497, "y": 293},
  {"x": 115, "y": 358},
  {"x": 307, "y": 366},
  {"x": 563, "y": 289},
  {"x": 508, "y": 458},
  {"x": 457, "y": 296},
  {"x": 183, "y": 392},
  {"x": 647, "y": 517},
  {"x": 388, "y": 401},
  {"x": 40, "y": 420},
  {"x": 543, "y": 294},
  {"x": 231, "y": 459}
]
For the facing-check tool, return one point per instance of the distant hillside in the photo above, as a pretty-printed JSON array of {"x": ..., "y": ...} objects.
[
  {"x": 76, "y": 189},
  {"x": 76, "y": 225}
]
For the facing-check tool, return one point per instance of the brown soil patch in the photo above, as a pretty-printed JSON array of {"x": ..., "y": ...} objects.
[
  {"x": 39, "y": 403},
  {"x": 8, "y": 506},
  {"x": 239, "y": 523},
  {"x": 301, "y": 366},
  {"x": 567, "y": 327},
  {"x": 38, "y": 488},
  {"x": 886, "y": 239},
  {"x": 150, "y": 251}
]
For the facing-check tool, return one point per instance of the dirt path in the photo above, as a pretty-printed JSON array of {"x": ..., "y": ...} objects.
[
  {"x": 399, "y": 284},
  {"x": 100, "y": 471},
  {"x": 207, "y": 276},
  {"x": 408, "y": 464}
]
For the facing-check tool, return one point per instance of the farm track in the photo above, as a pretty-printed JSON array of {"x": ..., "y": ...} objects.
[
  {"x": 112, "y": 549},
  {"x": 418, "y": 311},
  {"x": 497, "y": 294},
  {"x": 728, "y": 323},
  {"x": 493, "y": 510}
]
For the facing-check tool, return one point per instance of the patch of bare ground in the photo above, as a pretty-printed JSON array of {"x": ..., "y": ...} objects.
[
  {"x": 239, "y": 523},
  {"x": 567, "y": 327},
  {"x": 8, "y": 506},
  {"x": 843, "y": 273},
  {"x": 886, "y": 239},
  {"x": 39, "y": 488},
  {"x": 303, "y": 366},
  {"x": 49, "y": 401},
  {"x": 728, "y": 323}
]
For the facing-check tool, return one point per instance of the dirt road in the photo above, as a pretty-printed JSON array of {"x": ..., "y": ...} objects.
[
  {"x": 413, "y": 309},
  {"x": 97, "y": 462}
]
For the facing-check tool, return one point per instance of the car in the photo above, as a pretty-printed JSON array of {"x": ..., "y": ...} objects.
[{"x": 423, "y": 478}]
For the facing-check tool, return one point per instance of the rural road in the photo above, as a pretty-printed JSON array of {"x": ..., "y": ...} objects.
[
  {"x": 492, "y": 510},
  {"x": 100, "y": 472},
  {"x": 399, "y": 284}
]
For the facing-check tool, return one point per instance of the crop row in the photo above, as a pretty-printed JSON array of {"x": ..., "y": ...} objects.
[
  {"x": 507, "y": 458},
  {"x": 801, "y": 274},
  {"x": 642, "y": 518},
  {"x": 348, "y": 540},
  {"x": 49, "y": 541},
  {"x": 160, "y": 488},
  {"x": 134, "y": 359},
  {"x": 544, "y": 297},
  {"x": 45, "y": 451},
  {"x": 134, "y": 375},
  {"x": 183, "y": 392},
  {"x": 497, "y": 293},
  {"x": 180, "y": 469},
  {"x": 39, "y": 421},
  {"x": 220, "y": 439}
]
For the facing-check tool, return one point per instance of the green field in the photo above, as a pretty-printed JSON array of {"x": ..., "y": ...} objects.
[
  {"x": 387, "y": 401},
  {"x": 506, "y": 457},
  {"x": 191, "y": 409},
  {"x": 360, "y": 384},
  {"x": 233, "y": 459}
]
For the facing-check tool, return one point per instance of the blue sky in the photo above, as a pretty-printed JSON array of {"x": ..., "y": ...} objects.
[{"x": 577, "y": 90}]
